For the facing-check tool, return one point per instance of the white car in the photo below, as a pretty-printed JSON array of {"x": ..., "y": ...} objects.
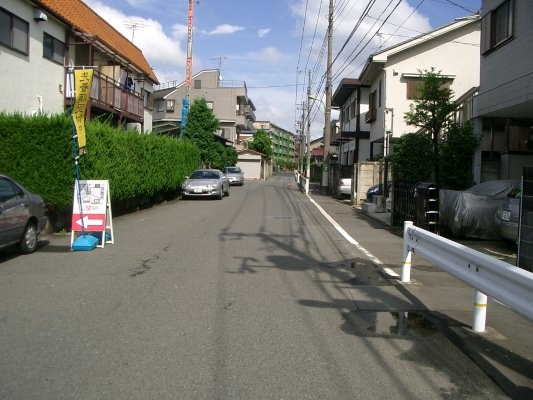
[
  {"x": 206, "y": 183},
  {"x": 344, "y": 187}
]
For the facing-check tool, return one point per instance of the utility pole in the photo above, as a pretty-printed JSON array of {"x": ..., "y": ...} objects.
[
  {"x": 308, "y": 163},
  {"x": 327, "y": 113}
]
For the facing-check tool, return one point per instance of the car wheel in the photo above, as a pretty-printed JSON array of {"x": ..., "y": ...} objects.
[
  {"x": 28, "y": 243},
  {"x": 227, "y": 191},
  {"x": 220, "y": 194}
]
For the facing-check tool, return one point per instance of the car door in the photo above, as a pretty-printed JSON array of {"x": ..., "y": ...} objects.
[{"x": 13, "y": 211}]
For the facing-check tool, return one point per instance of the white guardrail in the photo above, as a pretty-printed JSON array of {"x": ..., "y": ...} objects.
[
  {"x": 489, "y": 276},
  {"x": 302, "y": 181}
]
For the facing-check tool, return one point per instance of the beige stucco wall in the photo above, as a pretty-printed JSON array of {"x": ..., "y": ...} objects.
[{"x": 25, "y": 78}]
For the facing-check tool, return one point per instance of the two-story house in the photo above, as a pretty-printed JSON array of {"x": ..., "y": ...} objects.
[
  {"x": 42, "y": 41},
  {"x": 504, "y": 108},
  {"x": 393, "y": 75},
  {"x": 352, "y": 137},
  {"x": 228, "y": 99}
]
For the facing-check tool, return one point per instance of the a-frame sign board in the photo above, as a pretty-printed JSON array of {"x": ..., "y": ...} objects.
[{"x": 94, "y": 215}]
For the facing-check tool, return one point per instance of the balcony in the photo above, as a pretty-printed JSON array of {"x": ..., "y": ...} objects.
[
  {"x": 370, "y": 115},
  {"x": 111, "y": 95}
]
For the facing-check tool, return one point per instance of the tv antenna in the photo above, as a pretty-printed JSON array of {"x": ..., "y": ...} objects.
[
  {"x": 134, "y": 25},
  {"x": 220, "y": 60}
]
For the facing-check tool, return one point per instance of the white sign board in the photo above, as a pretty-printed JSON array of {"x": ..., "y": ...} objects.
[{"x": 91, "y": 211}]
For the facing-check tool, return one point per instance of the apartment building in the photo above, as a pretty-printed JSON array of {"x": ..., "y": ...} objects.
[
  {"x": 284, "y": 144},
  {"x": 228, "y": 99},
  {"x": 41, "y": 42}
]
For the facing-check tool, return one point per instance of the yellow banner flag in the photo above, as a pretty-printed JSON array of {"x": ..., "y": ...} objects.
[{"x": 82, "y": 82}]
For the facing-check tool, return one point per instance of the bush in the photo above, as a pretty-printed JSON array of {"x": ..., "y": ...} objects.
[{"x": 37, "y": 151}]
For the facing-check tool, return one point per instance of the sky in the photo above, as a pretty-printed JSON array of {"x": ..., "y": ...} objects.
[{"x": 272, "y": 44}]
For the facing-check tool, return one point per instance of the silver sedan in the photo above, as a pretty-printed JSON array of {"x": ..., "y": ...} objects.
[{"x": 206, "y": 183}]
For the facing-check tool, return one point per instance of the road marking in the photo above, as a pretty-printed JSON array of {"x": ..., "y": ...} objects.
[{"x": 345, "y": 234}]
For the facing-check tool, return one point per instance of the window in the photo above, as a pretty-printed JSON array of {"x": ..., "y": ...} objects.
[
  {"x": 371, "y": 114},
  {"x": 53, "y": 49},
  {"x": 160, "y": 105},
  {"x": 197, "y": 84},
  {"x": 414, "y": 84},
  {"x": 497, "y": 26},
  {"x": 14, "y": 32},
  {"x": 170, "y": 105},
  {"x": 352, "y": 110},
  {"x": 379, "y": 93}
]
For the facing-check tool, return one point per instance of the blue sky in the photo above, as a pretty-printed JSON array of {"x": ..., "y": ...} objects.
[{"x": 270, "y": 44}]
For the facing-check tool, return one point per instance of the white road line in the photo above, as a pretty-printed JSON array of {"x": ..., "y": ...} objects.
[{"x": 350, "y": 239}]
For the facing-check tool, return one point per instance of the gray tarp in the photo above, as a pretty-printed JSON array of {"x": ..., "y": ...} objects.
[{"x": 470, "y": 213}]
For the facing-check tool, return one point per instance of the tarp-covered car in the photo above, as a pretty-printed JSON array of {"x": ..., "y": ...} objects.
[{"x": 470, "y": 213}]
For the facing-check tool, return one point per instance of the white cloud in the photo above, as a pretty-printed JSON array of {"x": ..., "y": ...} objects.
[
  {"x": 263, "y": 32},
  {"x": 225, "y": 29},
  {"x": 267, "y": 55},
  {"x": 163, "y": 52}
]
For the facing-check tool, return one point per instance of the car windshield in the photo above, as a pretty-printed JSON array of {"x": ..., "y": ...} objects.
[
  {"x": 204, "y": 175},
  {"x": 233, "y": 170}
]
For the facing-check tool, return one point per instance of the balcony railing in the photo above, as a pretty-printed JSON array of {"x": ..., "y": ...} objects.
[{"x": 370, "y": 115}]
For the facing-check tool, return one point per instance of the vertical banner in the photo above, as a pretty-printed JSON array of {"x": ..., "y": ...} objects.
[{"x": 82, "y": 82}]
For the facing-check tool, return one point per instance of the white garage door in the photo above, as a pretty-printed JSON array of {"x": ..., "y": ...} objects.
[{"x": 252, "y": 169}]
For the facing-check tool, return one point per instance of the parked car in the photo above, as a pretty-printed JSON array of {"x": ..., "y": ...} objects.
[
  {"x": 22, "y": 216},
  {"x": 470, "y": 213},
  {"x": 235, "y": 175},
  {"x": 344, "y": 187},
  {"x": 507, "y": 215},
  {"x": 206, "y": 183}
]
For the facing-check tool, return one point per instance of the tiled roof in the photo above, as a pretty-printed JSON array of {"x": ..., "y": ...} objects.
[{"x": 80, "y": 16}]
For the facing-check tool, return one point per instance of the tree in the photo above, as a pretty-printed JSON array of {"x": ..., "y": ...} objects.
[
  {"x": 200, "y": 129},
  {"x": 262, "y": 143},
  {"x": 412, "y": 157},
  {"x": 456, "y": 150},
  {"x": 432, "y": 111}
]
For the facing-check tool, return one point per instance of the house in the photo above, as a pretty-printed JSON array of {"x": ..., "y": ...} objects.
[
  {"x": 393, "y": 74},
  {"x": 504, "y": 104},
  {"x": 284, "y": 149},
  {"x": 41, "y": 42},
  {"x": 228, "y": 99}
]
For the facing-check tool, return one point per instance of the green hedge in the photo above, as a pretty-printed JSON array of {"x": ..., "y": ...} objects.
[{"x": 37, "y": 152}]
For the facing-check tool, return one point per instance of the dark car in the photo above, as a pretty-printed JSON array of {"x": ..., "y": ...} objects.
[
  {"x": 206, "y": 183},
  {"x": 235, "y": 175},
  {"x": 22, "y": 216}
]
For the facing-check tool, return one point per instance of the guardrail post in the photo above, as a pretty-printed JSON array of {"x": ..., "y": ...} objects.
[
  {"x": 480, "y": 312},
  {"x": 307, "y": 186},
  {"x": 406, "y": 270}
]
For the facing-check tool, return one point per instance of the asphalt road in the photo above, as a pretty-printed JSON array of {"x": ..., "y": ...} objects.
[{"x": 256, "y": 296}]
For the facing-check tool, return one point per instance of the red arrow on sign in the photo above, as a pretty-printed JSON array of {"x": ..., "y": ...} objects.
[{"x": 93, "y": 222}]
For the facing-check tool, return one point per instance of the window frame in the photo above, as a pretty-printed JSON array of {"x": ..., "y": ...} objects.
[
  {"x": 13, "y": 37},
  {"x": 55, "y": 43}
]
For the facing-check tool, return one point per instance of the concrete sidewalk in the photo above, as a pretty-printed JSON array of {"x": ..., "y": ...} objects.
[{"x": 504, "y": 351}]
